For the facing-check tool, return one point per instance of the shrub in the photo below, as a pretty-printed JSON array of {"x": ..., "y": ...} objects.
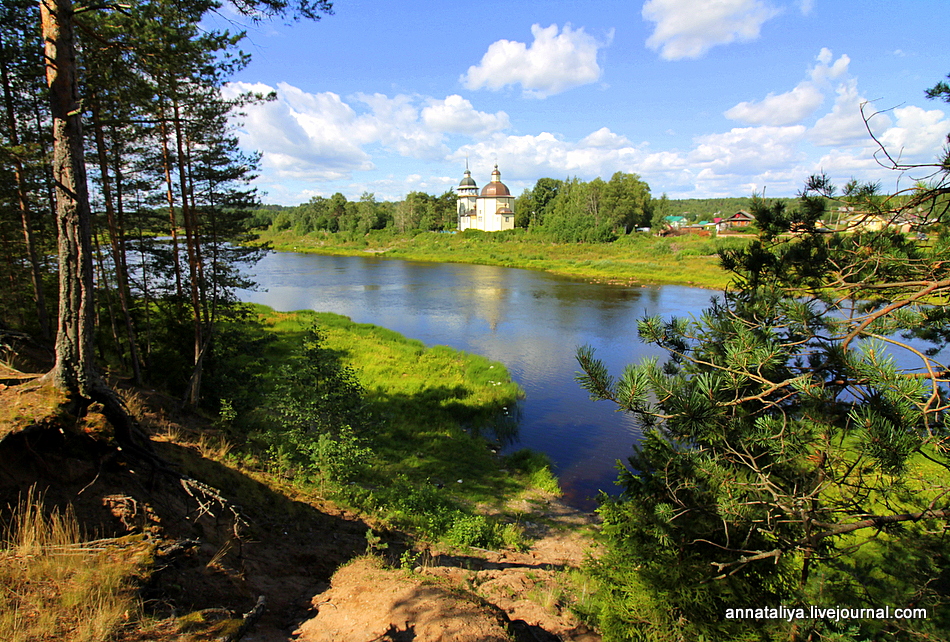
[{"x": 471, "y": 530}]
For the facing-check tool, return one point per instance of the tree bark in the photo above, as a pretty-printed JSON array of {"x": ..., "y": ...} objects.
[{"x": 74, "y": 371}]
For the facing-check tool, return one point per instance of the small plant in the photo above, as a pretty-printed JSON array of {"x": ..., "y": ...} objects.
[
  {"x": 408, "y": 560},
  {"x": 374, "y": 543},
  {"x": 471, "y": 530},
  {"x": 512, "y": 536},
  {"x": 536, "y": 466},
  {"x": 215, "y": 448},
  {"x": 341, "y": 458},
  {"x": 226, "y": 413}
]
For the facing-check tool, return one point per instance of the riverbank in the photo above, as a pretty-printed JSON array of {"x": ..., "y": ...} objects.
[
  {"x": 436, "y": 416},
  {"x": 232, "y": 526},
  {"x": 634, "y": 259}
]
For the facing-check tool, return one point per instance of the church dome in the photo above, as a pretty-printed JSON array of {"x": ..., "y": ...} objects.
[
  {"x": 468, "y": 181},
  {"x": 496, "y": 187}
]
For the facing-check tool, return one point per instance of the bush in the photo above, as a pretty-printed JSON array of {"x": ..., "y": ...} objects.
[
  {"x": 319, "y": 411},
  {"x": 471, "y": 530}
]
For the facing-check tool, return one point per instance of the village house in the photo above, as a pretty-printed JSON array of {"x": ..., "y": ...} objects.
[
  {"x": 739, "y": 220},
  {"x": 863, "y": 222},
  {"x": 675, "y": 222}
]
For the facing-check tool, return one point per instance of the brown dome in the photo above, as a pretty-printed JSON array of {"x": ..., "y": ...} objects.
[{"x": 495, "y": 189}]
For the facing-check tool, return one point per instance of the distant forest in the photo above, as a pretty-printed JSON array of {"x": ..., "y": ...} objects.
[
  {"x": 706, "y": 209},
  {"x": 567, "y": 210}
]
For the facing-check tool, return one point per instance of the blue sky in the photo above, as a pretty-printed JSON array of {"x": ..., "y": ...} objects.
[{"x": 701, "y": 98}]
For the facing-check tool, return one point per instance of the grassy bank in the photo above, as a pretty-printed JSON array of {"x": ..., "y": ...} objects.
[
  {"x": 633, "y": 259},
  {"x": 428, "y": 457}
]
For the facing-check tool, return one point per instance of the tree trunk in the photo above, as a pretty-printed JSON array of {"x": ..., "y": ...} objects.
[
  {"x": 173, "y": 223},
  {"x": 193, "y": 392},
  {"x": 106, "y": 297},
  {"x": 14, "y": 306},
  {"x": 116, "y": 241},
  {"x": 48, "y": 185},
  {"x": 74, "y": 371}
]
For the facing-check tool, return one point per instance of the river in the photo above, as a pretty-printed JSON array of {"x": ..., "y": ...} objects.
[{"x": 531, "y": 321}]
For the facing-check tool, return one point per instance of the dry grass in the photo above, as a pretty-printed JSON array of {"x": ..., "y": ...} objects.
[
  {"x": 56, "y": 586},
  {"x": 29, "y": 405},
  {"x": 136, "y": 404},
  {"x": 214, "y": 448},
  {"x": 170, "y": 433}
]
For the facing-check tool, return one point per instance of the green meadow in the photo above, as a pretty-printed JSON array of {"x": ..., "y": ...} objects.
[{"x": 635, "y": 259}]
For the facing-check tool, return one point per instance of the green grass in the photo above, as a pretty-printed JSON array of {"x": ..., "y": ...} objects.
[
  {"x": 633, "y": 259},
  {"x": 435, "y": 413}
]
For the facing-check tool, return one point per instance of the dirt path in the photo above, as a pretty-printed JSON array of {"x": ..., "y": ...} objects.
[{"x": 464, "y": 598}]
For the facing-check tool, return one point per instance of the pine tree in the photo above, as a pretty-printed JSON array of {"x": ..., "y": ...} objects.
[{"x": 795, "y": 442}]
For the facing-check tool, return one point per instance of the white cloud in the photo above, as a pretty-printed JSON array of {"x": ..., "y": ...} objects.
[
  {"x": 530, "y": 157},
  {"x": 910, "y": 135},
  {"x": 799, "y": 103},
  {"x": 456, "y": 115},
  {"x": 916, "y": 134},
  {"x": 748, "y": 150},
  {"x": 690, "y": 28},
  {"x": 844, "y": 125},
  {"x": 553, "y": 63},
  {"x": 319, "y": 136},
  {"x": 824, "y": 71},
  {"x": 850, "y": 163},
  {"x": 301, "y": 135},
  {"x": 603, "y": 138},
  {"x": 782, "y": 109},
  {"x": 395, "y": 124}
]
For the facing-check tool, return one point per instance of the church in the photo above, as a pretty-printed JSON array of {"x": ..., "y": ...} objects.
[{"x": 490, "y": 211}]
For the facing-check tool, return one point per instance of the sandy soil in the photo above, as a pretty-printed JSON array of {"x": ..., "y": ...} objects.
[{"x": 464, "y": 597}]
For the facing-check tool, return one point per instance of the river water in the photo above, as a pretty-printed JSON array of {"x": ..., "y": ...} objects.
[{"x": 532, "y": 322}]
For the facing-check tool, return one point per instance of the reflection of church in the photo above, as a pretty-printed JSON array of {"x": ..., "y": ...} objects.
[{"x": 490, "y": 211}]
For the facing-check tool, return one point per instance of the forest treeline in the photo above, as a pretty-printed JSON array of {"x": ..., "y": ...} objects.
[
  {"x": 160, "y": 173},
  {"x": 568, "y": 210}
]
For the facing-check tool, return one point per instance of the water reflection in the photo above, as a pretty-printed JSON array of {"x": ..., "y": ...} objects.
[{"x": 531, "y": 321}]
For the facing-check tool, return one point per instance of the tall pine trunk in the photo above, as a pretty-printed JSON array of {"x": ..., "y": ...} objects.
[
  {"x": 170, "y": 196},
  {"x": 193, "y": 392},
  {"x": 74, "y": 371}
]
